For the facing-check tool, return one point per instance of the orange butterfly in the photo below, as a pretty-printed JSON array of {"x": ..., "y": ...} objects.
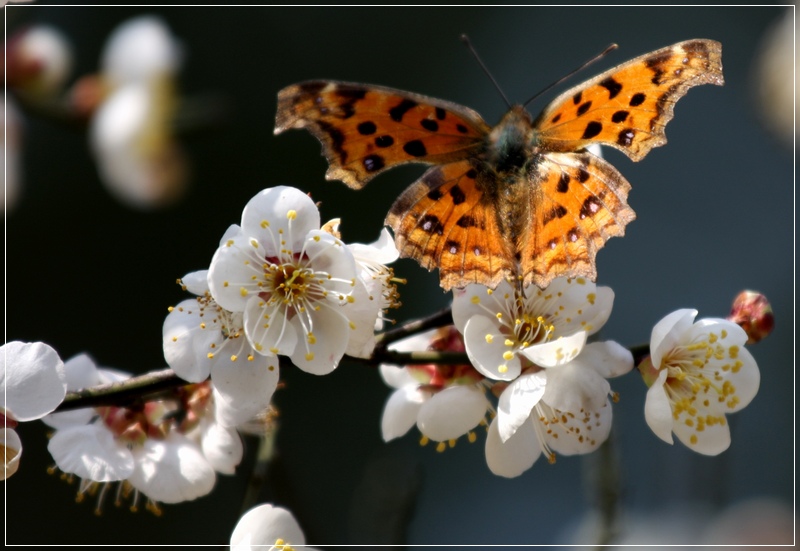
[{"x": 523, "y": 200}]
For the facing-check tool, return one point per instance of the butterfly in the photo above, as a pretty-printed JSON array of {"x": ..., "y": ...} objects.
[{"x": 523, "y": 200}]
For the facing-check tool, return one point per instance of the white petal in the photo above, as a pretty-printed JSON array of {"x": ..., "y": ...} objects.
[
  {"x": 139, "y": 49},
  {"x": 396, "y": 377},
  {"x": 556, "y": 352},
  {"x": 580, "y": 432},
  {"x": 331, "y": 333},
  {"x": 362, "y": 314},
  {"x": 576, "y": 386},
  {"x": 328, "y": 255},
  {"x": 172, "y": 470},
  {"x": 12, "y": 451},
  {"x": 573, "y": 305},
  {"x": 657, "y": 409},
  {"x": 196, "y": 282},
  {"x": 91, "y": 452},
  {"x": 668, "y": 333},
  {"x": 268, "y": 329},
  {"x": 243, "y": 388},
  {"x": 712, "y": 440},
  {"x": 230, "y": 274},
  {"x": 517, "y": 401},
  {"x": 608, "y": 358},
  {"x": 473, "y": 301},
  {"x": 280, "y": 213},
  {"x": 32, "y": 380},
  {"x": 452, "y": 412},
  {"x": 486, "y": 348},
  {"x": 222, "y": 447},
  {"x": 514, "y": 456},
  {"x": 383, "y": 251},
  {"x": 266, "y": 524},
  {"x": 400, "y": 412},
  {"x": 189, "y": 335}
]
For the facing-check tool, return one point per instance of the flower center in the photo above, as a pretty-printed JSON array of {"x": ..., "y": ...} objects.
[{"x": 530, "y": 329}]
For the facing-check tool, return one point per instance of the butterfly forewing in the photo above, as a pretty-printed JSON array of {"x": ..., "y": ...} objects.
[
  {"x": 629, "y": 106},
  {"x": 367, "y": 129},
  {"x": 577, "y": 202},
  {"x": 444, "y": 220}
]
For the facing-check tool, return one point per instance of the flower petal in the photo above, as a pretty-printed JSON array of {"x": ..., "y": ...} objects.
[
  {"x": 556, "y": 352},
  {"x": 267, "y": 328},
  {"x": 32, "y": 380},
  {"x": 517, "y": 401},
  {"x": 230, "y": 275},
  {"x": 668, "y": 333},
  {"x": 265, "y": 525},
  {"x": 243, "y": 388},
  {"x": 12, "y": 451},
  {"x": 172, "y": 470},
  {"x": 452, "y": 412},
  {"x": 321, "y": 354},
  {"x": 280, "y": 214},
  {"x": 657, "y": 409},
  {"x": 188, "y": 337},
  {"x": 580, "y": 432},
  {"x": 222, "y": 447},
  {"x": 488, "y": 351},
  {"x": 91, "y": 452},
  {"x": 514, "y": 456},
  {"x": 196, "y": 282},
  {"x": 400, "y": 411},
  {"x": 713, "y": 439}
]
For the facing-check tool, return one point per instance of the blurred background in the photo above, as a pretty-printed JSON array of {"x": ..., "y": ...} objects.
[{"x": 91, "y": 266}]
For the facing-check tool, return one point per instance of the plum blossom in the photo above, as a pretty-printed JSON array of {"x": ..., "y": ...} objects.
[
  {"x": 553, "y": 392},
  {"x": 444, "y": 401},
  {"x": 563, "y": 410},
  {"x": 292, "y": 281},
  {"x": 697, "y": 372},
  {"x": 546, "y": 327},
  {"x": 268, "y": 527},
  {"x": 32, "y": 384},
  {"x": 167, "y": 450},
  {"x": 202, "y": 339}
]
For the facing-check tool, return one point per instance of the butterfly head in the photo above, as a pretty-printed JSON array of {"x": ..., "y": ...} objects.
[{"x": 509, "y": 144}]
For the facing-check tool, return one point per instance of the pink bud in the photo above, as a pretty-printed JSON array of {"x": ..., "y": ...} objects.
[{"x": 753, "y": 313}]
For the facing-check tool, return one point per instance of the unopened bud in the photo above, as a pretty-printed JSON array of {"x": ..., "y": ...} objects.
[{"x": 753, "y": 313}]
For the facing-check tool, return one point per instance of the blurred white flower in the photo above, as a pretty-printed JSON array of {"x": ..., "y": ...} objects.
[
  {"x": 39, "y": 61},
  {"x": 268, "y": 527},
  {"x": 131, "y": 132},
  {"x": 32, "y": 384},
  {"x": 697, "y": 372}
]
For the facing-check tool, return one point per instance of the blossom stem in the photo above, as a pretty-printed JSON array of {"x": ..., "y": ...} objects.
[{"x": 438, "y": 319}]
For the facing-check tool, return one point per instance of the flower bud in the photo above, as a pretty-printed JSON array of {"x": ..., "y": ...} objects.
[{"x": 753, "y": 313}]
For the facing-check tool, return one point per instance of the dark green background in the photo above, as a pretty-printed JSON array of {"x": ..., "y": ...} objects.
[{"x": 715, "y": 215}]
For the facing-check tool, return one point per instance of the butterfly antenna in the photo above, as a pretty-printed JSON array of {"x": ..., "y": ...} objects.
[
  {"x": 610, "y": 48},
  {"x": 465, "y": 40}
]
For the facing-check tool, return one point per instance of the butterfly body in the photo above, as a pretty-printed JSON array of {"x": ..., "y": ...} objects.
[{"x": 522, "y": 200}]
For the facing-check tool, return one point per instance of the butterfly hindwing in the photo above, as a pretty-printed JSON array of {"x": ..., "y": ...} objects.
[
  {"x": 628, "y": 107},
  {"x": 578, "y": 201},
  {"x": 367, "y": 129},
  {"x": 444, "y": 220}
]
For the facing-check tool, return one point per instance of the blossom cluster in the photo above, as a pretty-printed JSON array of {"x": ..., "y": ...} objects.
[{"x": 280, "y": 284}]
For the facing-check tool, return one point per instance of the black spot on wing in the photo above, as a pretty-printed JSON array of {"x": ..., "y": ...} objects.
[
  {"x": 415, "y": 148},
  {"x": 398, "y": 111},
  {"x": 592, "y": 130},
  {"x": 613, "y": 87}
]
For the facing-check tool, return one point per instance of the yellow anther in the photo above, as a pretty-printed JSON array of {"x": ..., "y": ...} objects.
[
  {"x": 291, "y": 215},
  {"x": 475, "y": 300},
  {"x": 471, "y": 436},
  {"x": 210, "y": 355},
  {"x": 452, "y": 442},
  {"x": 440, "y": 447},
  {"x": 508, "y": 355},
  {"x": 309, "y": 356},
  {"x": 265, "y": 224},
  {"x": 274, "y": 350},
  {"x": 243, "y": 291},
  {"x": 502, "y": 368},
  {"x": 424, "y": 440},
  {"x": 234, "y": 357},
  {"x": 312, "y": 339},
  {"x": 508, "y": 342},
  {"x": 489, "y": 338}
]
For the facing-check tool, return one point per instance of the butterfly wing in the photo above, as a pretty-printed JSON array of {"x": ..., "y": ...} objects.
[
  {"x": 577, "y": 202},
  {"x": 367, "y": 129},
  {"x": 445, "y": 220},
  {"x": 629, "y": 106}
]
